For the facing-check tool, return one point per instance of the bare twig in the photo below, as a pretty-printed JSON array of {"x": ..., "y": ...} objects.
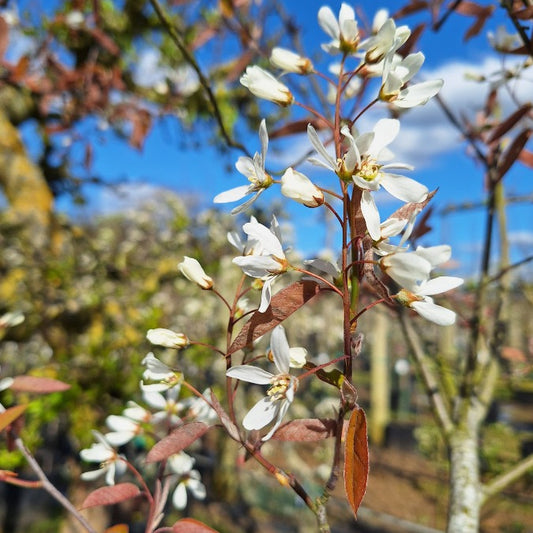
[
  {"x": 433, "y": 390},
  {"x": 48, "y": 487},
  {"x": 189, "y": 57},
  {"x": 501, "y": 482}
]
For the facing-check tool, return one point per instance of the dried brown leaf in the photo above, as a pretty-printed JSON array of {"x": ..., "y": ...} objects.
[
  {"x": 38, "y": 385},
  {"x": 177, "y": 441},
  {"x": 282, "y": 305},
  {"x": 306, "y": 430},
  {"x": 111, "y": 495},
  {"x": 11, "y": 414},
  {"x": 356, "y": 459}
]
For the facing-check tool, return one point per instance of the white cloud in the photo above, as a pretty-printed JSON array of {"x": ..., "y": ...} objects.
[
  {"x": 426, "y": 132},
  {"x": 522, "y": 238}
]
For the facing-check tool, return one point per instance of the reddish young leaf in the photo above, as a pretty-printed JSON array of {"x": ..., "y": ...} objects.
[
  {"x": 410, "y": 44},
  {"x": 526, "y": 157},
  {"x": 524, "y": 14},
  {"x": 513, "y": 152},
  {"x": 111, "y": 495},
  {"x": 4, "y": 36},
  {"x": 470, "y": 8},
  {"x": 119, "y": 528},
  {"x": 296, "y": 126},
  {"x": 177, "y": 441},
  {"x": 38, "y": 385},
  {"x": 503, "y": 127},
  {"x": 356, "y": 459},
  {"x": 282, "y": 305},
  {"x": 410, "y": 8},
  {"x": 306, "y": 430},
  {"x": 10, "y": 415},
  {"x": 190, "y": 525}
]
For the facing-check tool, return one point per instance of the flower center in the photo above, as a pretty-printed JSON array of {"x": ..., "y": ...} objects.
[
  {"x": 279, "y": 385},
  {"x": 369, "y": 169}
]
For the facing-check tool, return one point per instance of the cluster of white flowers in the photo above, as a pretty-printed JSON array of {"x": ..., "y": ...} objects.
[
  {"x": 164, "y": 411},
  {"x": 363, "y": 163}
]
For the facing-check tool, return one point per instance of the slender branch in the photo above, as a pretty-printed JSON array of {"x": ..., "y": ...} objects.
[
  {"x": 189, "y": 57},
  {"x": 433, "y": 390},
  {"x": 48, "y": 487},
  {"x": 528, "y": 45},
  {"x": 504, "y": 480},
  {"x": 437, "y": 26}
]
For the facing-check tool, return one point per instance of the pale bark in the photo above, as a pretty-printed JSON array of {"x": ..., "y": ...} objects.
[{"x": 465, "y": 490}]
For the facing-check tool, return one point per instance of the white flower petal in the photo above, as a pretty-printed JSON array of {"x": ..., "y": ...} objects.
[
  {"x": 328, "y": 22},
  {"x": 435, "y": 255},
  {"x": 266, "y": 294},
  {"x": 405, "y": 189},
  {"x": 438, "y": 285},
  {"x": 385, "y": 131},
  {"x": 280, "y": 349},
  {"x": 261, "y": 414},
  {"x": 251, "y": 374},
  {"x": 435, "y": 313},
  {"x": 319, "y": 147},
  {"x": 119, "y": 438},
  {"x": 371, "y": 215},
  {"x": 179, "y": 497},
  {"x": 233, "y": 195}
]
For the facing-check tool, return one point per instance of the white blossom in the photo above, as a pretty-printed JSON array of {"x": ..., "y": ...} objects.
[
  {"x": 396, "y": 76},
  {"x": 111, "y": 463},
  {"x": 254, "y": 170},
  {"x": 420, "y": 299},
  {"x": 263, "y": 85},
  {"x": 343, "y": 31},
  {"x": 409, "y": 269},
  {"x": 124, "y": 428},
  {"x": 267, "y": 260},
  {"x": 299, "y": 187},
  {"x": 167, "y": 338},
  {"x": 194, "y": 272},
  {"x": 282, "y": 386},
  {"x": 160, "y": 373},
  {"x": 168, "y": 407},
  {"x": 181, "y": 465},
  {"x": 386, "y": 39},
  {"x": 362, "y": 162},
  {"x": 503, "y": 41},
  {"x": 289, "y": 61}
]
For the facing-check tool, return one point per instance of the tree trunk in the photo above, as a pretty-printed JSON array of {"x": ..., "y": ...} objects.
[{"x": 465, "y": 489}]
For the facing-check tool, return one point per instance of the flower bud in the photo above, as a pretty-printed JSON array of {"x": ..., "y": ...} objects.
[
  {"x": 299, "y": 187},
  {"x": 290, "y": 62},
  {"x": 167, "y": 338},
  {"x": 193, "y": 271},
  {"x": 264, "y": 85}
]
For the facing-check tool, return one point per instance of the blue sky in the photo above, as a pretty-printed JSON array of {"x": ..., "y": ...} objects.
[{"x": 426, "y": 141}]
